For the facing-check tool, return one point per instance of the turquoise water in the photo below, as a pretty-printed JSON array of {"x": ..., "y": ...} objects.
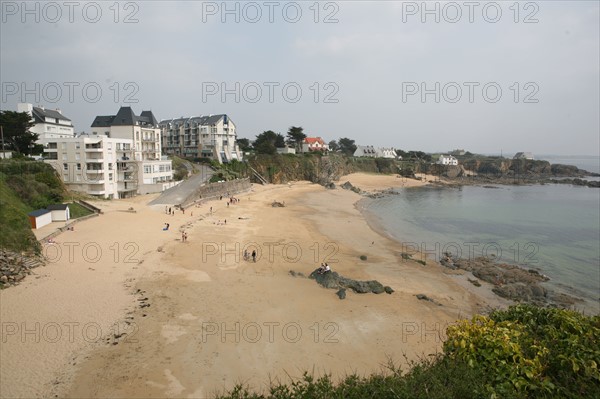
[{"x": 552, "y": 228}]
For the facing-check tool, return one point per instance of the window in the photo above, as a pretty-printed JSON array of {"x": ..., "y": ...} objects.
[
  {"x": 65, "y": 166},
  {"x": 147, "y": 169},
  {"x": 110, "y": 176},
  {"x": 64, "y": 157},
  {"x": 78, "y": 166},
  {"x": 77, "y": 156},
  {"x": 63, "y": 146},
  {"x": 77, "y": 145}
]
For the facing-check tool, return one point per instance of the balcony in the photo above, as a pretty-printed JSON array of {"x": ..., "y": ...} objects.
[
  {"x": 50, "y": 156},
  {"x": 93, "y": 148},
  {"x": 94, "y": 160}
]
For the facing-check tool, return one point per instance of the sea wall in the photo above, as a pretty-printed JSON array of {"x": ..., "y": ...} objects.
[{"x": 214, "y": 190}]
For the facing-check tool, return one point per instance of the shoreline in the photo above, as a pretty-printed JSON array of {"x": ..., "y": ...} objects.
[
  {"x": 176, "y": 294},
  {"x": 566, "y": 296}
]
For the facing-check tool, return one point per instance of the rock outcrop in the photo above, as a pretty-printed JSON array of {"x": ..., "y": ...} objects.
[
  {"x": 15, "y": 267},
  {"x": 333, "y": 280},
  {"x": 510, "y": 281}
]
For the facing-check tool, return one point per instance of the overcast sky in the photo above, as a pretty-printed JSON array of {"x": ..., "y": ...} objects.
[{"x": 510, "y": 77}]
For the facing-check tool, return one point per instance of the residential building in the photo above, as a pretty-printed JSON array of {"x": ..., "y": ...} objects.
[
  {"x": 311, "y": 144},
  {"x": 49, "y": 123},
  {"x": 375, "y": 152},
  {"x": 212, "y": 136},
  {"x": 286, "y": 150},
  {"x": 523, "y": 155},
  {"x": 447, "y": 160},
  {"x": 154, "y": 170},
  {"x": 96, "y": 165}
]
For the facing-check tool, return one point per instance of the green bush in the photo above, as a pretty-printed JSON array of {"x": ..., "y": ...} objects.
[{"x": 532, "y": 351}]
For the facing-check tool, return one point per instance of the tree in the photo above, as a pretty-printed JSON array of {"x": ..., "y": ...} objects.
[
  {"x": 333, "y": 146},
  {"x": 244, "y": 144},
  {"x": 347, "y": 145},
  {"x": 279, "y": 141},
  {"x": 296, "y": 136},
  {"x": 268, "y": 142},
  {"x": 17, "y": 136}
]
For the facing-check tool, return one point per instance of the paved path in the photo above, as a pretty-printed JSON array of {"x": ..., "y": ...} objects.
[{"x": 179, "y": 193}]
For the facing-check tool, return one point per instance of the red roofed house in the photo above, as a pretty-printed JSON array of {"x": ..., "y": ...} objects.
[{"x": 311, "y": 144}]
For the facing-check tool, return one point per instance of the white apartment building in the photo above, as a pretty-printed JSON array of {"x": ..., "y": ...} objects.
[
  {"x": 96, "y": 165},
  {"x": 154, "y": 170},
  {"x": 49, "y": 123},
  {"x": 212, "y": 136},
  {"x": 447, "y": 160}
]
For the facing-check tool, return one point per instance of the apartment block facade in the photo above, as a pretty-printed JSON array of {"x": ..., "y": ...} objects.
[
  {"x": 154, "y": 170},
  {"x": 95, "y": 165},
  {"x": 212, "y": 136},
  {"x": 49, "y": 123}
]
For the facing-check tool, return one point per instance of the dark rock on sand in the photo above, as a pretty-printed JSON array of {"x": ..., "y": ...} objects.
[
  {"x": 334, "y": 281},
  {"x": 341, "y": 293}
]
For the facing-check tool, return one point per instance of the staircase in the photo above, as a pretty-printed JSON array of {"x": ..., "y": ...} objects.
[{"x": 261, "y": 179}]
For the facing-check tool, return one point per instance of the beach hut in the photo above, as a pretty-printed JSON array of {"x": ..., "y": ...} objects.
[
  {"x": 60, "y": 212},
  {"x": 39, "y": 218}
]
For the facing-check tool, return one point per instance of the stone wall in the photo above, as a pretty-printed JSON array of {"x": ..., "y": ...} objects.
[{"x": 215, "y": 190}]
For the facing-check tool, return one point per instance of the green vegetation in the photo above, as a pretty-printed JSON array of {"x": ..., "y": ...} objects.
[
  {"x": 180, "y": 170},
  {"x": 78, "y": 211},
  {"x": 25, "y": 186},
  {"x": 522, "y": 352},
  {"x": 17, "y": 136}
]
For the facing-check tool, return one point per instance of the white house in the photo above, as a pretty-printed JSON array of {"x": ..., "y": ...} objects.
[
  {"x": 212, "y": 136},
  {"x": 49, "y": 123},
  {"x": 447, "y": 160},
  {"x": 523, "y": 155},
  {"x": 374, "y": 152},
  {"x": 5, "y": 154},
  {"x": 286, "y": 150},
  {"x": 154, "y": 170},
  {"x": 311, "y": 144},
  {"x": 60, "y": 212},
  {"x": 40, "y": 218}
]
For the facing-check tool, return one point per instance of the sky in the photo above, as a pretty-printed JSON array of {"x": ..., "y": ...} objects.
[{"x": 436, "y": 76}]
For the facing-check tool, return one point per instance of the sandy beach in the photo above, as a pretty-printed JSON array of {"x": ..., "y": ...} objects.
[{"x": 125, "y": 309}]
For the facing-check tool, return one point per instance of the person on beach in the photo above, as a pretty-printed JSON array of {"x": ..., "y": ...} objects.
[
  {"x": 321, "y": 269},
  {"x": 254, "y": 255},
  {"x": 246, "y": 256},
  {"x": 166, "y": 209},
  {"x": 169, "y": 211}
]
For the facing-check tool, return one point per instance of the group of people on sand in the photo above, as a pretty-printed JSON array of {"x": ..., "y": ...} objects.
[
  {"x": 166, "y": 227},
  {"x": 324, "y": 268},
  {"x": 247, "y": 255},
  {"x": 184, "y": 236}
]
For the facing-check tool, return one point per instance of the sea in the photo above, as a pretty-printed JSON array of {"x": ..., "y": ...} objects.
[{"x": 553, "y": 228}]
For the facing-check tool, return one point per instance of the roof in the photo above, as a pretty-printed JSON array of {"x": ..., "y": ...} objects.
[
  {"x": 38, "y": 212},
  {"x": 125, "y": 117},
  {"x": 40, "y": 115},
  {"x": 208, "y": 120},
  {"x": 312, "y": 140},
  {"x": 57, "y": 207}
]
